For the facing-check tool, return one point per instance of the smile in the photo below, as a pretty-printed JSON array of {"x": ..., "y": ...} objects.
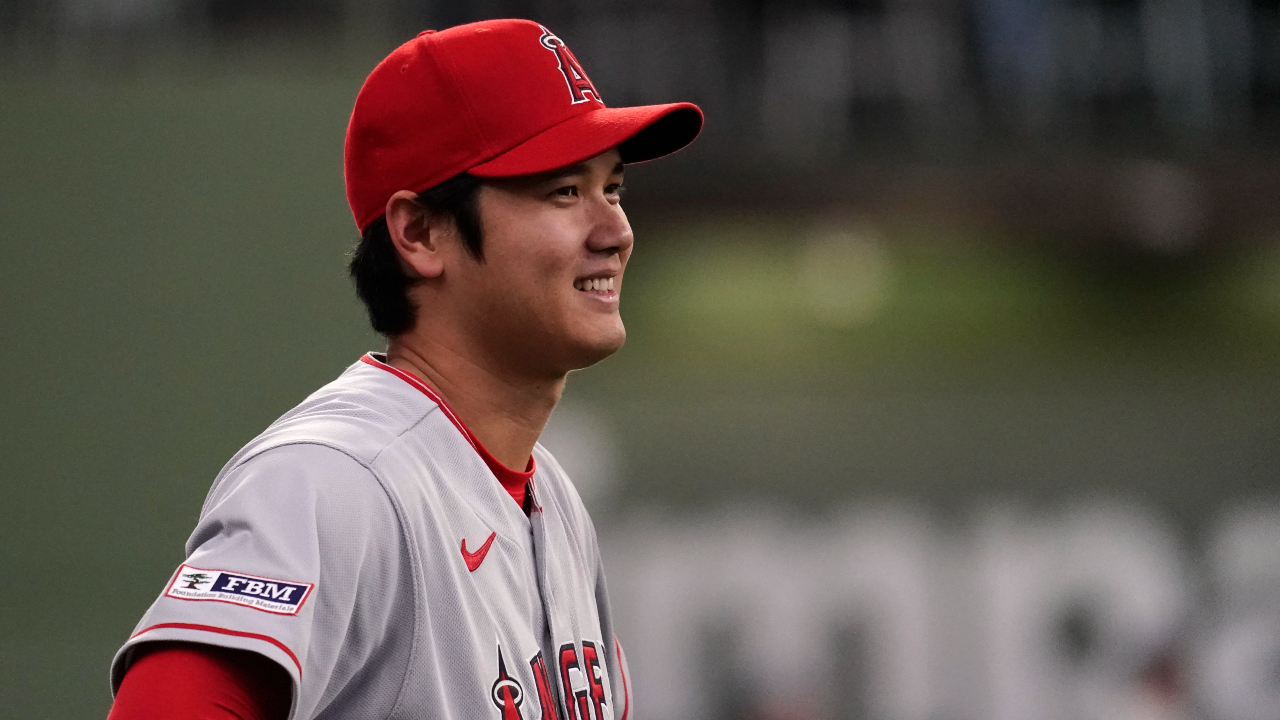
[{"x": 596, "y": 285}]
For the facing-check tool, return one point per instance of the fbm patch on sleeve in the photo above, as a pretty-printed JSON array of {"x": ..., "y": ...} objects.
[{"x": 274, "y": 596}]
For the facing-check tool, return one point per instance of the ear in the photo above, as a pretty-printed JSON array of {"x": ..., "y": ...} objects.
[{"x": 417, "y": 235}]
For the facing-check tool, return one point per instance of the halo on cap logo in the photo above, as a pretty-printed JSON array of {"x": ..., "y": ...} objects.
[{"x": 575, "y": 77}]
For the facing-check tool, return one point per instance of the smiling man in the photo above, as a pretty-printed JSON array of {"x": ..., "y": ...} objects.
[{"x": 399, "y": 545}]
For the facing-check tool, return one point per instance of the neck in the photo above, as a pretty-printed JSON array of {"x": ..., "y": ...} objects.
[{"x": 506, "y": 413}]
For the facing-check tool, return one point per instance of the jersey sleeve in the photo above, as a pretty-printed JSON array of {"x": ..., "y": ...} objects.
[{"x": 298, "y": 556}]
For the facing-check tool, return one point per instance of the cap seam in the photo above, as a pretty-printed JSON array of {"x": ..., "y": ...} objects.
[
  {"x": 546, "y": 129},
  {"x": 446, "y": 65}
]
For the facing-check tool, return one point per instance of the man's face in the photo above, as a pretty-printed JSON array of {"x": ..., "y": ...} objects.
[{"x": 555, "y": 247}]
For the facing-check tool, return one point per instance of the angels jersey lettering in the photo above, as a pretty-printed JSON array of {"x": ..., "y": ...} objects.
[{"x": 362, "y": 543}]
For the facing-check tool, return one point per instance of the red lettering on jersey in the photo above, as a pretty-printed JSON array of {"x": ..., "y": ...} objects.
[
  {"x": 575, "y": 702},
  {"x": 591, "y": 663},
  {"x": 543, "y": 682},
  {"x": 574, "y": 76}
]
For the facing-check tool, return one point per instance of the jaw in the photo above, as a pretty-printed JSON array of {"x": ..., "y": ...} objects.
[
  {"x": 548, "y": 333},
  {"x": 549, "y": 336},
  {"x": 593, "y": 316},
  {"x": 595, "y": 337}
]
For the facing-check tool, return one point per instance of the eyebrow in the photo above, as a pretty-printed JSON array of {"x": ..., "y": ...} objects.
[{"x": 579, "y": 169}]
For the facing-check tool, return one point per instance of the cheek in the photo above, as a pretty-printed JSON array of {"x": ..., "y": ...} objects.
[
  {"x": 533, "y": 255},
  {"x": 544, "y": 274},
  {"x": 537, "y": 272},
  {"x": 549, "y": 256}
]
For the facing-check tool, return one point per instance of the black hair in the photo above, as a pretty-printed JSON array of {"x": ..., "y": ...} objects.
[{"x": 381, "y": 282}]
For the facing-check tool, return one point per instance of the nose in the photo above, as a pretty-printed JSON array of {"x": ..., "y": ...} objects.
[{"x": 610, "y": 230}]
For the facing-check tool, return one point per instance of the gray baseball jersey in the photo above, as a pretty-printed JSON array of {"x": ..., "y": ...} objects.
[{"x": 363, "y": 544}]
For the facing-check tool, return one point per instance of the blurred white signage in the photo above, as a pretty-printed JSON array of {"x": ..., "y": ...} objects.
[{"x": 1096, "y": 613}]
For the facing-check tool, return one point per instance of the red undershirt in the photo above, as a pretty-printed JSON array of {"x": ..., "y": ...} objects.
[
  {"x": 516, "y": 483},
  {"x": 186, "y": 681},
  {"x": 190, "y": 681}
]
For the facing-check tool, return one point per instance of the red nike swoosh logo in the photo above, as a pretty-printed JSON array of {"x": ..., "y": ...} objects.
[{"x": 474, "y": 559}]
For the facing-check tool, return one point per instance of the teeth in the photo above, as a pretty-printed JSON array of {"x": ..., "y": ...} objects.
[{"x": 595, "y": 285}]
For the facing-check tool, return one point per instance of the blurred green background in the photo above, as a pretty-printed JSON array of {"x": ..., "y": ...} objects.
[{"x": 173, "y": 279}]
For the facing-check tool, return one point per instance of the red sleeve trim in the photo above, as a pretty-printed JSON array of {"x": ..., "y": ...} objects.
[
  {"x": 622, "y": 670},
  {"x": 224, "y": 631}
]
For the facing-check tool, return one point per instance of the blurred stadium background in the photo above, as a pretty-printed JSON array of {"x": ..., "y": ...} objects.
[{"x": 951, "y": 392}]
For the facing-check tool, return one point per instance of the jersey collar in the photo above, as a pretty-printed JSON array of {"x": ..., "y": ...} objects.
[{"x": 516, "y": 482}]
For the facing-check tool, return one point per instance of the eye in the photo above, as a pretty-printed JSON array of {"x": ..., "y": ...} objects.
[
  {"x": 566, "y": 191},
  {"x": 615, "y": 189}
]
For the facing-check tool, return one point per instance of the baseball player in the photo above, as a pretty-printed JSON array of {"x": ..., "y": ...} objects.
[{"x": 399, "y": 545}]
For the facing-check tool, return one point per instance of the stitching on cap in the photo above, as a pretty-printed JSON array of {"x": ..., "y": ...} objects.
[{"x": 453, "y": 77}]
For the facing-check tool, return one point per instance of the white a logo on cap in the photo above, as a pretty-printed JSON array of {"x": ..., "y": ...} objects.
[{"x": 574, "y": 76}]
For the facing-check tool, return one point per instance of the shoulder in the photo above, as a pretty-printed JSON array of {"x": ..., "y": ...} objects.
[
  {"x": 326, "y": 449},
  {"x": 305, "y": 487},
  {"x": 295, "y": 469},
  {"x": 362, "y": 412}
]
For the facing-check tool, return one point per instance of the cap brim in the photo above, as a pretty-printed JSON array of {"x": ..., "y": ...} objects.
[{"x": 640, "y": 133}]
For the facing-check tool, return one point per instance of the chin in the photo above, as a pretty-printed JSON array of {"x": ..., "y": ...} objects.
[{"x": 590, "y": 351}]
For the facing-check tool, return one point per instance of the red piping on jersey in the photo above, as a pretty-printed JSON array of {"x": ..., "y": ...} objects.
[
  {"x": 514, "y": 481},
  {"x": 626, "y": 692},
  {"x": 426, "y": 390},
  {"x": 224, "y": 631}
]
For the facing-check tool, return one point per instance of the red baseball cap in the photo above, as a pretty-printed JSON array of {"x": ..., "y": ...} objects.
[{"x": 494, "y": 99}]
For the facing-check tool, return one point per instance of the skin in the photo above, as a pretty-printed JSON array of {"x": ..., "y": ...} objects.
[{"x": 496, "y": 338}]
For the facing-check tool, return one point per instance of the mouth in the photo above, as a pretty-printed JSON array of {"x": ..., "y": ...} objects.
[{"x": 597, "y": 286}]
